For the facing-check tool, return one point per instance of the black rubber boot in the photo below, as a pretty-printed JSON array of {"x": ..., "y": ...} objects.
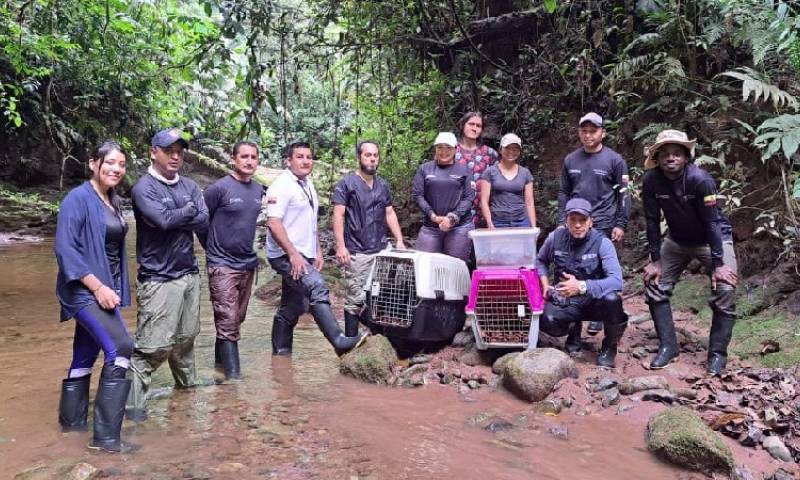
[
  {"x": 217, "y": 358},
  {"x": 594, "y": 327},
  {"x": 326, "y": 322},
  {"x": 351, "y": 321},
  {"x": 282, "y": 336},
  {"x": 229, "y": 354},
  {"x": 668, "y": 342},
  {"x": 573, "y": 343},
  {"x": 608, "y": 350},
  {"x": 718, "y": 340},
  {"x": 73, "y": 408},
  {"x": 109, "y": 410}
]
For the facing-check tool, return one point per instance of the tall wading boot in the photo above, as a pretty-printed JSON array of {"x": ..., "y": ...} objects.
[
  {"x": 613, "y": 333},
  {"x": 73, "y": 408},
  {"x": 109, "y": 410},
  {"x": 351, "y": 321},
  {"x": 573, "y": 343},
  {"x": 282, "y": 336},
  {"x": 721, "y": 331},
  {"x": 326, "y": 322},
  {"x": 217, "y": 358},
  {"x": 668, "y": 350},
  {"x": 229, "y": 354}
]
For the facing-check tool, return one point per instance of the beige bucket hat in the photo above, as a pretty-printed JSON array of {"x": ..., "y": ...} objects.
[{"x": 667, "y": 136}]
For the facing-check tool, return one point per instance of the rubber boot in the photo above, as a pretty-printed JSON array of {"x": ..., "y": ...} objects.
[
  {"x": 573, "y": 343},
  {"x": 718, "y": 340},
  {"x": 282, "y": 336},
  {"x": 595, "y": 327},
  {"x": 109, "y": 410},
  {"x": 668, "y": 342},
  {"x": 608, "y": 349},
  {"x": 229, "y": 354},
  {"x": 351, "y": 321},
  {"x": 217, "y": 358},
  {"x": 326, "y": 322},
  {"x": 73, "y": 408}
]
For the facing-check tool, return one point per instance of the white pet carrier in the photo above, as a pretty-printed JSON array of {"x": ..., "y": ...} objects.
[{"x": 417, "y": 295}]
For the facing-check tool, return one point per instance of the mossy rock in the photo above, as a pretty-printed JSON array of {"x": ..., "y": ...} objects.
[
  {"x": 679, "y": 436},
  {"x": 533, "y": 374},
  {"x": 372, "y": 362}
]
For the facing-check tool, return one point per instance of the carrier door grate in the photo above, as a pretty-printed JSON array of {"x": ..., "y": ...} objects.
[
  {"x": 394, "y": 295},
  {"x": 502, "y": 310}
]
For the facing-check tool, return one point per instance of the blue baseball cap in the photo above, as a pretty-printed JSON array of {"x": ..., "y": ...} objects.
[
  {"x": 165, "y": 138},
  {"x": 578, "y": 205}
]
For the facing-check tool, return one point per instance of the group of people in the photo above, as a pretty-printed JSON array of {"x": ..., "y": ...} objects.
[{"x": 467, "y": 185}]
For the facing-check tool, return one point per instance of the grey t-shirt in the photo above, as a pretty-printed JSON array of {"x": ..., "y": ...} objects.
[{"x": 507, "y": 199}]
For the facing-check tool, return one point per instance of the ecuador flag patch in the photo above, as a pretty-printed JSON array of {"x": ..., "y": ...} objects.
[{"x": 710, "y": 200}]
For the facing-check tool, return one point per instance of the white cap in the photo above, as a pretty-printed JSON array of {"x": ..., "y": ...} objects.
[
  {"x": 510, "y": 139},
  {"x": 445, "y": 138}
]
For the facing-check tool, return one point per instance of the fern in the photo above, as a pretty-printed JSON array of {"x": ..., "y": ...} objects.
[
  {"x": 753, "y": 83},
  {"x": 779, "y": 134}
]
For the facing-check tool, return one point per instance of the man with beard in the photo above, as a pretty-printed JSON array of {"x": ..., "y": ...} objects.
[
  {"x": 361, "y": 214},
  {"x": 234, "y": 203},
  {"x": 294, "y": 252},
  {"x": 589, "y": 277},
  {"x": 687, "y": 196}
]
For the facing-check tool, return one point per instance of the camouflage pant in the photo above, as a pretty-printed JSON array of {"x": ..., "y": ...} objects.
[
  {"x": 355, "y": 275},
  {"x": 166, "y": 325}
]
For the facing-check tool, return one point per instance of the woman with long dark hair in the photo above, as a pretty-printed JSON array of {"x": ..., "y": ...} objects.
[
  {"x": 92, "y": 285},
  {"x": 475, "y": 155}
]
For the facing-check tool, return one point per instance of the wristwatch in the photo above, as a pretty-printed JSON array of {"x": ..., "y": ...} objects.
[{"x": 582, "y": 287}]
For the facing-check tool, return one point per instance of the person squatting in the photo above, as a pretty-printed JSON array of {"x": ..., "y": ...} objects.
[{"x": 466, "y": 185}]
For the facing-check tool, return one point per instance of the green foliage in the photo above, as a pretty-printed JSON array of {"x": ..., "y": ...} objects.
[
  {"x": 779, "y": 134},
  {"x": 754, "y": 83}
]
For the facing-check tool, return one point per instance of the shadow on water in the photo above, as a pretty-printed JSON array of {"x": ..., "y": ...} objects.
[{"x": 288, "y": 418}]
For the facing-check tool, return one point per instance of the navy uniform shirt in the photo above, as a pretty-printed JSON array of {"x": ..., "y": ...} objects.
[
  {"x": 443, "y": 189},
  {"x": 601, "y": 178},
  {"x": 233, "y": 209},
  {"x": 166, "y": 217},
  {"x": 365, "y": 212},
  {"x": 690, "y": 209}
]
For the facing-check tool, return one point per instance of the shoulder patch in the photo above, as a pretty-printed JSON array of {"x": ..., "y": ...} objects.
[{"x": 710, "y": 200}]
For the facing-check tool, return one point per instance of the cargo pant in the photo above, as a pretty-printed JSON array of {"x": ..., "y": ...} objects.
[
  {"x": 166, "y": 325},
  {"x": 229, "y": 290},
  {"x": 355, "y": 276}
]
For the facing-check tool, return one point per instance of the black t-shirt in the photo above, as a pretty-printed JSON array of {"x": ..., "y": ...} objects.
[
  {"x": 116, "y": 228},
  {"x": 365, "y": 212}
]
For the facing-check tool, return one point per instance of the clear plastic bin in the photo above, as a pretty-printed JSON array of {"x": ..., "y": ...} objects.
[{"x": 505, "y": 247}]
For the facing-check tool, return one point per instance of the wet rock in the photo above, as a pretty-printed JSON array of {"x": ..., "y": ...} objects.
[
  {"x": 742, "y": 472},
  {"x": 497, "y": 424},
  {"x": 752, "y": 437},
  {"x": 462, "y": 339},
  {"x": 560, "y": 431},
  {"x": 448, "y": 378},
  {"x": 632, "y": 385},
  {"x": 473, "y": 357},
  {"x": 604, "y": 384},
  {"x": 533, "y": 374},
  {"x": 679, "y": 436},
  {"x": 34, "y": 473},
  {"x": 413, "y": 376},
  {"x": 776, "y": 448},
  {"x": 82, "y": 471},
  {"x": 688, "y": 393},
  {"x": 420, "y": 358},
  {"x": 663, "y": 396},
  {"x": 548, "y": 407},
  {"x": 473, "y": 384},
  {"x": 610, "y": 397},
  {"x": 637, "y": 319},
  {"x": 372, "y": 362},
  {"x": 639, "y": 353},
  {"x": 499, "y": 365},
  {"x": 780, "y": 474}
]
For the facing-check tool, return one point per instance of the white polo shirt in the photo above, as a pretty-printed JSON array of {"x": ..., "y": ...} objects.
[{"x": 295, "y": 202}]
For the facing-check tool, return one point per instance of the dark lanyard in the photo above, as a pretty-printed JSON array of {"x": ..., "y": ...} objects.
[{"x": 308, "y": 194}]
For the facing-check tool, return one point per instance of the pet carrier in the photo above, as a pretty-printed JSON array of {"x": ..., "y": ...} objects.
[
  {"x": 504, "y": 306},
  {"x": 417, "y": 296},
  {"x": 505, "y": 247}
]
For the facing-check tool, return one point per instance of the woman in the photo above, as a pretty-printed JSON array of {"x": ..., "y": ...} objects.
[
  {"x": 92, "y": 285},
  {"x": 507, "y": 189},
  {"x": 444, "y": 193},
  {"x": 477, "y": 157}
]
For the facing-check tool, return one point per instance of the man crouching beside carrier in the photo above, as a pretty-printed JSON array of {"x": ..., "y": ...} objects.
[{"x": 589, "y": 277}]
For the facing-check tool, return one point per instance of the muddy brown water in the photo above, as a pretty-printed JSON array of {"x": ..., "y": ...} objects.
[{"x": 286, "y": 419}]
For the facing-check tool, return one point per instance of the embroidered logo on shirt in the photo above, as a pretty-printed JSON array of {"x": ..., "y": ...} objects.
[
  {"x": 710, "y": 200},
  {"x": 575, "y": 171}
]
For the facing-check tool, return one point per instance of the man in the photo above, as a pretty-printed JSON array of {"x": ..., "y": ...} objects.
[
  {"x": 294, "y": 251},
  {"x": 361, "y": 214},
  {"x": 589, "y": 277},
  {"x": 168, "y": 208},
  {"x": 598, "y": 174},
  {"x": 687, "y": 196},
  {"x": 234, "y": 203}
]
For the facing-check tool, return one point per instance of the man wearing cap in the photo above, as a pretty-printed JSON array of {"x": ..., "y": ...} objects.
[
  {"x": 234, "y": 203},
  {"x": 168, "y": 208},
  {"x": 589, "y": 277},
  {"x": 362, "y": 213},
  {"x": 443, "y": 191},
  {"x": 598, "y": 174},
  {"x": 294, "y": 251},
  {"x": 687, "y": 196}
]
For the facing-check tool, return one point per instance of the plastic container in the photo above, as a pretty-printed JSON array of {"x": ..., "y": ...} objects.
[{"x": 505, "y": 247}]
